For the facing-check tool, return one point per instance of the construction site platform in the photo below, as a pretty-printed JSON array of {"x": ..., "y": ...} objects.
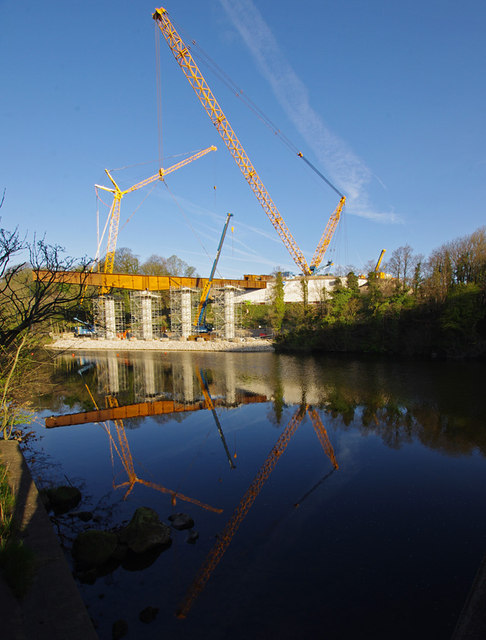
[{"x": 66, "y": 342}]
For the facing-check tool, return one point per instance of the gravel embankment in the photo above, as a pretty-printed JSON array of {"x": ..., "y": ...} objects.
[{"x": 62, "y": 343}]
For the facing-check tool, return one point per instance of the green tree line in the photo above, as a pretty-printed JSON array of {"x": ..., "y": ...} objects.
[{"x": 425, "y": 307}]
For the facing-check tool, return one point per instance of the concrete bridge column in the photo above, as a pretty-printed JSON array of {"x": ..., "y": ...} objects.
[
  {"x": 147, "y": 329},
  {"x": 230, "y": 379},
  {"x": 110, "y": 323},
  {"x": 186, "y": 319},
  {"x": 229, "y": 313},
  {"x": 113, "y": 377}
]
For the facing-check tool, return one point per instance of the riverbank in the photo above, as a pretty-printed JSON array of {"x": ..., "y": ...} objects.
[
  {"x": 70, "y": 343},
  {"x": 52, "y": 608}
]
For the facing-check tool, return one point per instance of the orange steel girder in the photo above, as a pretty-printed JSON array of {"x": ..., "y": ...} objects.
[
  {"x": 140, "y": 409},
  {"x": 140, "y": 282}
]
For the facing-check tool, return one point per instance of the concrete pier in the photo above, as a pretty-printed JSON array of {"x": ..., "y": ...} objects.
[
  {"x": 229, "y": 313},
  {"x": 186, "y": 312},
  {"x": 110, "y": 319}
]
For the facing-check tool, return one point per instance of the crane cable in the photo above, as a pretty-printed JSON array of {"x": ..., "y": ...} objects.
[
  {"x": 100, "y": 239},
  {"x": 181, "y": 210},
  {"x": 202, "y": 57},
  {"x": 137, "y": 208},
  {"x": 158, "y": 81},
  {"x": 205, "y": 59}
]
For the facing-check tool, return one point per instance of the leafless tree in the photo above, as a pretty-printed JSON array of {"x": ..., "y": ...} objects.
[
  {"x": 404, "y": 265},
  {"x": 459, "y": 262},
  {"x": 29, "y": 298}
]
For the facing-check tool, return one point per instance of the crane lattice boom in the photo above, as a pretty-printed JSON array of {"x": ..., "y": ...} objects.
[
  {"x": 224, "y": 539},
  {"x": 327, "y": 235},
  {"x": 193, "y": 74}
]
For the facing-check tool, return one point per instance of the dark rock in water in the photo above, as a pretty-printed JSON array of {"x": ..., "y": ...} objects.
[
  {"x": 85, "y": 516},
  {"x": 181, "y": 521},
  {"x": 120, "y": 552},
  {"x": 144, "y": 531},
  {"x": 148, "y": 614},
  {"x": 93, "y": 548},
  {"x": 192, "y": 537},
  {"x": 119, "y": 629},
  {"x": 140, "y": 561},
  {"x": 87, "y": 576},
  {"x": 63, "y": 499}
]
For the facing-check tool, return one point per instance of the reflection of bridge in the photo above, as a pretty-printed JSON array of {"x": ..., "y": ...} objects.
[
  {"x": 140, "y": 410},
  {"x": 154, "y": 376}
]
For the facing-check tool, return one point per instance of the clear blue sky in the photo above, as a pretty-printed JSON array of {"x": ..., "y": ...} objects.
[{"x": 387, "y": 99}]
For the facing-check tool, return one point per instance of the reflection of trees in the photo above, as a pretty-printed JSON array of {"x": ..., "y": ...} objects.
[
  {"x": 390, "y": 421},
  {"x": 399, "y": 424},
  {"x": 452, "y": 434},
  {"x": 436, "y": 403},
  {"x": 278, "y": 392},
  {"x": 339, "y": 405}
]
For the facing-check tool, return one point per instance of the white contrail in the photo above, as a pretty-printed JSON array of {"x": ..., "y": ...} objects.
[{"x": 340, "y": 162}]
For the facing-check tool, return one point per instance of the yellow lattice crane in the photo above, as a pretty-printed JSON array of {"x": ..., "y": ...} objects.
[
  {"x": 219, "y": 120},
  {"x": 114, "y": 216}
]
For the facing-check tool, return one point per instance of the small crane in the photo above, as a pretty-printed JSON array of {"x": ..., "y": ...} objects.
[
  {"x": 380, "y": 274},
  {"x": 114, "y": 216},
  {"x": 200, "y": 326}
]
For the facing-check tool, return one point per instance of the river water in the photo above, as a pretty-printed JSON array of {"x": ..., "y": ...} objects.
[{"x": 332, "y": 497}]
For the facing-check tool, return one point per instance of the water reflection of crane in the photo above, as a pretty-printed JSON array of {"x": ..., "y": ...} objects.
[
  {"x": 115, "y": 413},
  {"x": 224, "y": 539},
  {"x": 210, "y": 405},
  {"x": 123, "y": 452},
  {"x": 122, "y": 449}
]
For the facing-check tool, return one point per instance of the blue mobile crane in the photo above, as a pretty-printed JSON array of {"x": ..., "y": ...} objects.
[{"x": 200, "y": 325}]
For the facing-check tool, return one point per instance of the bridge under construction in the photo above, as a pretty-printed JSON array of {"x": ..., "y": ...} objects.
[{"x": 189, "y": 296}]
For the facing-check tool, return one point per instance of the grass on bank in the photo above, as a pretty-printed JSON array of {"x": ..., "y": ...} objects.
[{"x": 17, "y": 561}]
